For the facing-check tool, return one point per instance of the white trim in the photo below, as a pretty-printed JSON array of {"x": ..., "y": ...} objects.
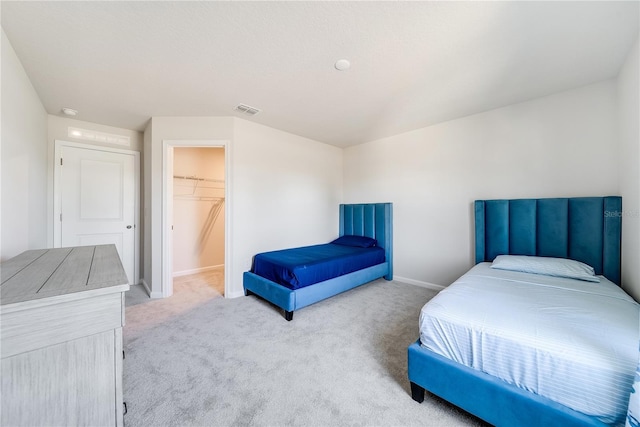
[
  {"x": 197, "y": 270},
  {"x": 166, "y": 282},
  {"x": 148, "y": 290},
  {"x": 57, "y": 232},
  {"x": 167, "y": 241},
  {"x": 145, "y": 286},
  {"x": 236, "y": 294},
  {"x": 419, "y": 283}
]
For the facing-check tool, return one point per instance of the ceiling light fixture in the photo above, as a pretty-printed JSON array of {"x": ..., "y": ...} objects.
[
  {"x": 92, "y": 135},
  {"x": 69, "y": 111},
  {"x": 342, "y": 64}
]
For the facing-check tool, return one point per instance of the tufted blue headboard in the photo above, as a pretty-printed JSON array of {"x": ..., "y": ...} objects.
[
  {"x": 373, "y": 220},
  {"x": 587, "y": 229}
]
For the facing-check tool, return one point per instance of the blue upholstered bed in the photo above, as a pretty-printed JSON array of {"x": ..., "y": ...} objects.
[
  {"x": 372, "y": 220},
  {"x": 586, "y": 229}
]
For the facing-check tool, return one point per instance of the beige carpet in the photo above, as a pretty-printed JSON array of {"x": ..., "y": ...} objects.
[{"x": 197, "y": 359}]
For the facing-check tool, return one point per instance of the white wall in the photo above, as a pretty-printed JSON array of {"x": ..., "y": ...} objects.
[
  {"x": 23, "y": 160},
  {"x": 285, "y": 189},
  {"x": 629, "y": 116},
  {"x": 286, "y": 192},
  {"x": 58, "y": 129},
  {"x": 288, "y": 187},
  {"x": 198, "y": 238},
  {"x": 557, "y": 146},
  {"x": 158, "y": 130}
]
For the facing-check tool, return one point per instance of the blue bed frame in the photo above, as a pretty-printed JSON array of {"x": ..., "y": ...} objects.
[
  {"x": 587, "y": 229},
  {"x": 373, "y": 220}
]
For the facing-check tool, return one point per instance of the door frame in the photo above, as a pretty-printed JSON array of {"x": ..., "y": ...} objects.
[
  {"x": 57, "y": 195},
  {"x": 167, "y": 208}
]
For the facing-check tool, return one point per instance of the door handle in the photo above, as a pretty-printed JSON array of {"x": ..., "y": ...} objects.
[{"x": 128, "y": 226}]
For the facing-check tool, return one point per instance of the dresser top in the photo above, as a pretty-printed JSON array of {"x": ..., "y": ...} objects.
[{"x": 44, "y": 273}]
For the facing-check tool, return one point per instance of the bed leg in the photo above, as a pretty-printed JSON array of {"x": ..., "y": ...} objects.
[
  {"x": 417, "y": 392},
  {"x": 288, "y": 315}
]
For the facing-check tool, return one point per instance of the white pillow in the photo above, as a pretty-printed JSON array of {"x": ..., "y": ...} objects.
[{"x": 558, "y": 267}]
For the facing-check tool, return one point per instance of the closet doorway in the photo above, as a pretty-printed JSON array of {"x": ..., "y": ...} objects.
[{"x": 195, "y": 242}]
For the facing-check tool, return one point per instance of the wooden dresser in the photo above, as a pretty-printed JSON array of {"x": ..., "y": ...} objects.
[{"x": 61, "y": 319}]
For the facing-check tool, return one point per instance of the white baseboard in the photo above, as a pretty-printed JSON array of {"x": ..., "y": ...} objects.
[
  {"x": 196, "y": 270},
  {"x": 419, "y": 283},
  {"x": 235, "y": 294},
  {"x": 145, "y": 286},
  {"x": 148, "y": 290}
]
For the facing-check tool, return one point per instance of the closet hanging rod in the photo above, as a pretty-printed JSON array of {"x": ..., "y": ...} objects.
[
  {"x": 199, "y": 198},
  {"x": 195, "y": 178}
]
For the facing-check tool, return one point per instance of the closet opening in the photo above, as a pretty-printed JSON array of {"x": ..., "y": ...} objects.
[{"x": 196, "y": 218}]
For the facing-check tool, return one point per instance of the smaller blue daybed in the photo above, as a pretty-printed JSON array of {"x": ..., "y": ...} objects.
[{"x": 293, "y": 286}]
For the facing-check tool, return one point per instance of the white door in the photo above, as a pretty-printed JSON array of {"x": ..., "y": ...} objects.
[{"x": 97, "y": 201}]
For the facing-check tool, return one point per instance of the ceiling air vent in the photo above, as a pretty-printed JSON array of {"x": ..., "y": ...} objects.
[{"x": 247, "y": 110}]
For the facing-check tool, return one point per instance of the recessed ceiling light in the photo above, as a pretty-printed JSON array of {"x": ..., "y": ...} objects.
[
  {"x": 342, "y": 65},
  {"x": 69, "y": 111}
]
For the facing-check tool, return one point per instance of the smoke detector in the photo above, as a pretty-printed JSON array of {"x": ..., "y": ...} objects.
[
  {"x": 69, "y": 111},
  {"x": 342, "y": 65},
  {"x": 247, "y": 110}
]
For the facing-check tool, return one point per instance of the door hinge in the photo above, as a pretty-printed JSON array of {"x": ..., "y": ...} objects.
[
  {"x": 60, "y": 217},
  {"x": 60, "y": 161}
]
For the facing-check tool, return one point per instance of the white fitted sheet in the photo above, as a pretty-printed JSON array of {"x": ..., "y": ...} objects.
[{"x": 571, "y": 341}]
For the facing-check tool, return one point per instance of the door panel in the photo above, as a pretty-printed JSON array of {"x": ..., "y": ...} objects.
[
  {"x": 101, "y": 188},
  {"x": 97, "y": 201}
]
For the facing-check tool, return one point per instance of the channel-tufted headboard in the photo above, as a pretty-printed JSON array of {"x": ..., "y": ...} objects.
[
  {"x": 586, "y": 229},
  {"x": 373, "y": 220}
]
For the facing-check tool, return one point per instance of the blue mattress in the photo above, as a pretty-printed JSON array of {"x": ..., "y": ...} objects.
[{"x": 299, "y": 267}]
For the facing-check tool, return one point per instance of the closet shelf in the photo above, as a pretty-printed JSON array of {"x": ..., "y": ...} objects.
[
  {"x": 194, "y": 183},
  {"x": 196, "y": 178}
]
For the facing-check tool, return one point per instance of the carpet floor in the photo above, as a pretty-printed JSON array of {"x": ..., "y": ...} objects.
[{"x": 197, "y": 359}]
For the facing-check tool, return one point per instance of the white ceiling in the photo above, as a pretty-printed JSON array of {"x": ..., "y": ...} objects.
[{"x": 413, "y": 63}]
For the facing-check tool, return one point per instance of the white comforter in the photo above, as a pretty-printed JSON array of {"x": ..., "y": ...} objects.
[{"x": 571, "y": 341}]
